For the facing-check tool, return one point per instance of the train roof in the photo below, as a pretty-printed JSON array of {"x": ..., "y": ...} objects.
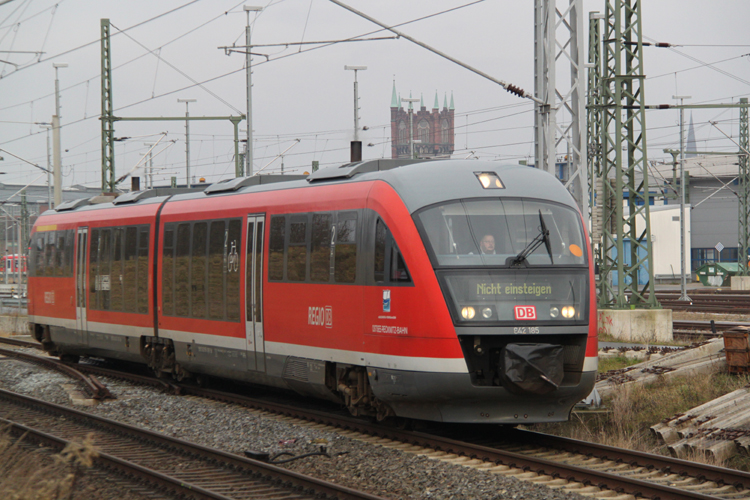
[{"x": 419, "y": 183}]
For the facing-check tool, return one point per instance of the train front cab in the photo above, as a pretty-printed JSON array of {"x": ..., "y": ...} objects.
[{"x": 522, "y": 313}]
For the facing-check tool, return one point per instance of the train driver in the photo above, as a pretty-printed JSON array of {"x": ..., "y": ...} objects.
[{"x": 487, "y": 245}]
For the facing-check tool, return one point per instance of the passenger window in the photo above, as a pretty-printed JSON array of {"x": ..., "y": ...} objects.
[
  {"x": 60, "y": 253},
  {"x": 94, "y": 269},
  {"x": 37, "y": 255},
  {"x": 233, "y": 270},
  {"x": 217, "y": 252},
  {"x": 105, "y": 269},
  {"x": 379, "y": 268},
  {"x": 49, "y": 253},
  {"x": 297, "y": 252},
  {"x": 320, "y": 252},
  {"x": 68, "y": 259},
  {"x": 345, "y": 256},
  {"x": 388, "y": 257},
  {"x": 142, "y": 270},
  {"x": 182, "y": 270},
  {"x": 116, "y": 280},
  {"x": 130, "y": 267},
  {"x": 399, "y": 273},
  {"x": 276, "y": 249},
  {"x": 167, "y": 275},
  {"x": 198, "y": 270}
]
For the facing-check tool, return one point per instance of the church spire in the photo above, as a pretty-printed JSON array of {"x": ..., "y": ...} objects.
[
  {"x": 445, "y": 101},
  {"x": 437, "y": 105},
  {"x": 394, "y": 98},
  {"x": 452, "y": 106}
]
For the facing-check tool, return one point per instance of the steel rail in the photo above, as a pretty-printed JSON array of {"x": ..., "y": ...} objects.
[
  {"x": 519, "y": 460},
  {"x": 272, "y": 473},
  {"x": 678, "y": 466},
  {"x": 93, "y": 386},
  {"x": 20, "y": 343},
  {"x": 570, "y": 472},
  {"x": 110, "y": 462}
]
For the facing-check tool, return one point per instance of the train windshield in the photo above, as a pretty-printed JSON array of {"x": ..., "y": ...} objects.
[{"x": 503, "y": 232}]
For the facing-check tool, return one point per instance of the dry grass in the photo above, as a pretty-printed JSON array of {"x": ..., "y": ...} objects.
[
  {"x": 632, "y": 410},
  {"x": 615, "y": 363},
  {"x": 28, "y": 474}
]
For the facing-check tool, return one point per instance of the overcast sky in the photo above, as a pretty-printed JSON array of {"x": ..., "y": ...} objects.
[{"x": 307, "y": 94}]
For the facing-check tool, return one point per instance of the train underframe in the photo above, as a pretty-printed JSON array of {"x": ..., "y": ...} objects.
[{"x": 479, "y": 395}]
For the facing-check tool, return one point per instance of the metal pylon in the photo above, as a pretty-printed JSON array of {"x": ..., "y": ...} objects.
[
  {"x": 744, "y": 192},
  {"x": 108, "y": 124},
  {"x": 559, "y": 44},
  {"x": 593, "y": 131},
  {"x": 23, "y": 245},
  {"x": 625, "y": 173}
]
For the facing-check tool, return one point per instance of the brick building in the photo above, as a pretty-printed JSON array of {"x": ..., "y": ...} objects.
[{"x": 433, "y": 130}]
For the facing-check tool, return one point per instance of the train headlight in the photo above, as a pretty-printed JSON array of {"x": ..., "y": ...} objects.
[
  {"x": 468, "y": 312},
  {"x": 554, "y": 312},
  {"x": 487, "y": 312},
  {"x": 568, "y": 312},
  {"x": 489, "y": 180}
]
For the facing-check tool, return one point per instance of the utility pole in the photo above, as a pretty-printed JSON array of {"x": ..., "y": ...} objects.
[
  {"x": 150, "y": 174},
  {"x": 248, "y": 65},
  {"x": 187, "y": 136},
  {"x": 356, "y": 98},
  {"x": 683, "y": 286},
  {"x": 48, "y": 126},
  {"x": 744, "y": 181},
  {"x": 56, "y": 137},
  {"x": 411, "y": 124},
  {"x": 24, "y": 232},
  {"x": 108, "y": 123}
]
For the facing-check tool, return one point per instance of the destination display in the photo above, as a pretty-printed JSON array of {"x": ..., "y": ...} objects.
[{"x": 500, "y": 295}]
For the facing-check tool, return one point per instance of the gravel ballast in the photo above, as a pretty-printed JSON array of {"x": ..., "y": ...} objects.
[{"x": 381, "y": 471}]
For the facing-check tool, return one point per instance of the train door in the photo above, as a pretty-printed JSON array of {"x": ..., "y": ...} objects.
[
  {"x": 81, "y": 288},
  {"x": 254, "y": 294}
]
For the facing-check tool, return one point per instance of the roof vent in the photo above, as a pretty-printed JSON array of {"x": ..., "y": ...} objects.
[
  {"x": 133, "y": 196},
  {"x": 351, "y": 169},
  {"x": 72, "y": 204},
  {"x": 230, "y": 185}
]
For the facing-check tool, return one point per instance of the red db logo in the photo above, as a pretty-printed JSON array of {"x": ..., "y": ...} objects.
[{"x": 525, "y": 312}]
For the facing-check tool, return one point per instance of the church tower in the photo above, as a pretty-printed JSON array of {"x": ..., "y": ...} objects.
[{"x": 433, "y": 130}]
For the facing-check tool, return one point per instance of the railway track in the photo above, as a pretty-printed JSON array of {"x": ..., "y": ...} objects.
[
  {"x": 693, "y": 330},
  {"x": 167, "y": 464},
  {"x": 556, "y": 462},
  {"x": 710, "y": 301}
]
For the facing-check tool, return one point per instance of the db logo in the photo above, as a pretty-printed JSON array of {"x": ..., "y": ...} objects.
[
  {"x": 329, "y": 317},
  {"x": 320, "y": 316},
  {"x": 525, "y": 312}
]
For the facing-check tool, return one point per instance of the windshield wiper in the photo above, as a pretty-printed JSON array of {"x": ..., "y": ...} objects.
[{"x": 542, "y": 237}]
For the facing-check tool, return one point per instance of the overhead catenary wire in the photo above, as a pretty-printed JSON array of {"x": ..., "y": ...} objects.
[
  {"x": 122, "y": 65},
  {"x": 198, "y": 84},
  {"x": 87, "y": 44},
  {"x": 513, "y": 89}
]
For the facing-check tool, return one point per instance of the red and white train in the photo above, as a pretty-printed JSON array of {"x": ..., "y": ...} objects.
[{"x": 373, "y": 284}]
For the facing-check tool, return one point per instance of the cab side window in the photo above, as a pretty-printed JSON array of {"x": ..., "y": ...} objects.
[{"x": 389, "y": 266}]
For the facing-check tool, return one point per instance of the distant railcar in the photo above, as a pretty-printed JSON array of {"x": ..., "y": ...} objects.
[{"x": 373, "y": 284}]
